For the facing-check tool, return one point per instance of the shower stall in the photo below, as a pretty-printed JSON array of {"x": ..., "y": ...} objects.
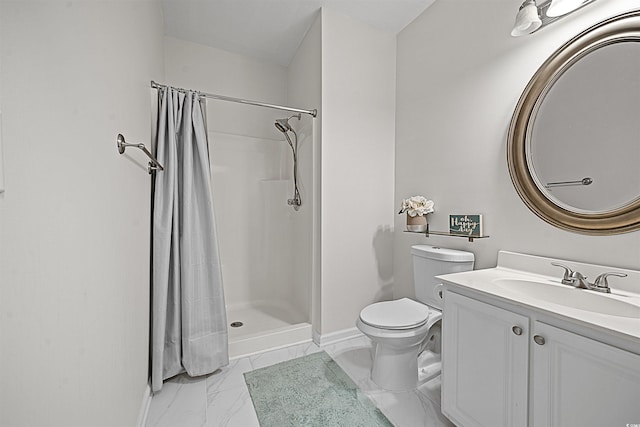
[{"x": 262, "y": 180}]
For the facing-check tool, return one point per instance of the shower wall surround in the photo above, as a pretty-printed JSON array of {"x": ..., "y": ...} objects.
[
  {"x": 260, "y": 245},
  {"x": 349, "y": 68},
  {"x": 455, "y": 98},
  {"x": 304, "y": 88}
]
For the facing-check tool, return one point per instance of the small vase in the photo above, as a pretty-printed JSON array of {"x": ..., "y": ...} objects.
[{"x": 417, "y": 223}]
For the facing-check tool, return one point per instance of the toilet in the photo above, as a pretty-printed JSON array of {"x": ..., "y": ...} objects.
[{"x": 404, "y": 329}]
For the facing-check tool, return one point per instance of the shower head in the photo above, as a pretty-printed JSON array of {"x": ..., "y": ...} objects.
[{"x": 283, "y": 124}]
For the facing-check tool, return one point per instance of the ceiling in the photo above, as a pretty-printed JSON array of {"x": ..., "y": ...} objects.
[{"x": 272, "y": 30}]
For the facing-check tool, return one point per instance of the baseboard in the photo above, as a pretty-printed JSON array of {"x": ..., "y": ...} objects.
[
  {"x": 144, "y": 408},
  {"x": 334, "y": 337}
]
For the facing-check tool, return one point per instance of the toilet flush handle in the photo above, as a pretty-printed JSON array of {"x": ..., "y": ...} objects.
[{"x": 437, "y": 290}]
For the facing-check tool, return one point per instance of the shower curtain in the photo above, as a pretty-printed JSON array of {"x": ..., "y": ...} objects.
[{"x": 189, "y": 324}]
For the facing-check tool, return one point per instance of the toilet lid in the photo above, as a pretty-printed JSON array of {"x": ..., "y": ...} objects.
[{"x": 399, "y": 314}]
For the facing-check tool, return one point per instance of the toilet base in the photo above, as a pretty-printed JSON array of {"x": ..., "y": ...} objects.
[
  {"x": 395, "y": 370},
  {"x": 403, "y": 371}
]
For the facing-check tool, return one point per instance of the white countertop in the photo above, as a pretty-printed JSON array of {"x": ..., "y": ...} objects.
[{"x": 487, "y": 282}]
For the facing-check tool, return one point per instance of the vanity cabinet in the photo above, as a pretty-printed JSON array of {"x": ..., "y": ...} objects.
[
  {"x": 484, "y": 365},
  {"x": 577, "y": 381},
  {"x": 502, "y": 368}
]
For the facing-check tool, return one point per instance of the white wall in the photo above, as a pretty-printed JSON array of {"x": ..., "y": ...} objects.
[
  {"x": 358, "y": 104},
  {"x": 304, "y": 82},
  {"x": 1, "y": 158},
  {"x": 252, "y": 172},
  {"x": 459, "y": 80},
  {"x": 74, "y": 220}
]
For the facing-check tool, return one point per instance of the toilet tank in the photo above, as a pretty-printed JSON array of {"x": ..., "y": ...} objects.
[{"x": 430, "y": 261}]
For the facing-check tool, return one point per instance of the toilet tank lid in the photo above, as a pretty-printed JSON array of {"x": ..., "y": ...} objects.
[{"x": 441, "y": 254}]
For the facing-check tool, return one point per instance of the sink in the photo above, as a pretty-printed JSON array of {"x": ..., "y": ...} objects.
[{"x": 568, "y": 296}]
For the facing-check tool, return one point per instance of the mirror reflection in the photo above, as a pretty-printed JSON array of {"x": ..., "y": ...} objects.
[{"x": 583, "y": 146}]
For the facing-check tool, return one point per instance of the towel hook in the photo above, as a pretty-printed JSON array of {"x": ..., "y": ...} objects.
[{"x": 154, "y": 165}]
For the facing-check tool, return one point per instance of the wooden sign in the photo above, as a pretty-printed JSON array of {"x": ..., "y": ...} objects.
[{"x": 466, "y": 225}]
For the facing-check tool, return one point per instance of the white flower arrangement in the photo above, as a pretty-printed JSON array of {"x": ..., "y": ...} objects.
[{"x": 416, "y": 206}]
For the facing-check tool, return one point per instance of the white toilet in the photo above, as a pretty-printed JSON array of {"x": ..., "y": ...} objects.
[{"x": 403, "y": 328}]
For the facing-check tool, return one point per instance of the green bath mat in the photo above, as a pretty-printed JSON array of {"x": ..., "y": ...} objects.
[{"x": 310, "y": 391}]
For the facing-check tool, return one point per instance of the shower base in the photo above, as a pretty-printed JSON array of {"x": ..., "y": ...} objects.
[{"x": 266, "y": 325}]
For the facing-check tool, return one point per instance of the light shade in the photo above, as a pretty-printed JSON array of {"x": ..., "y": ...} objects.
[
  {"x": 527, "y": 19},
  {"x": 562, "y": 7}
]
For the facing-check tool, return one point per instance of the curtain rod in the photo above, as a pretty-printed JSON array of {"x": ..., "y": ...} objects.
[{"x": 312, "y": 113}]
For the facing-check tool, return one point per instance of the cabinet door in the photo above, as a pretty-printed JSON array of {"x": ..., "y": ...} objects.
[
  {"x": 581, "y": 382},
  {"x": 485, "y": 364}
]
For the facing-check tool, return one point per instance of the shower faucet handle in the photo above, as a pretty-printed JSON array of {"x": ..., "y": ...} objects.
[{"x": 294, "y": 202}]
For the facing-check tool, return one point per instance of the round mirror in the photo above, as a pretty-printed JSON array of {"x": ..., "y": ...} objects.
[{"x": 574, "y": 141}]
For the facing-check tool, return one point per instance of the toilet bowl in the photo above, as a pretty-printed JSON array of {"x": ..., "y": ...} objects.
[
  {"x": 403, "y": 329},
  {"x": 399, "y": 331}
]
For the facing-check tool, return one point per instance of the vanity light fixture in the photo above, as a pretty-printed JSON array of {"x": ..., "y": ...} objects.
[
  {"x": 532, "y": 16},
  {"x": 527, "y": 19},
  {"x": 562, "y": 7}
]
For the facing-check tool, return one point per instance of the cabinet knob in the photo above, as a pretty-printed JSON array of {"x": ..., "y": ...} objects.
[
  {"x": 517, "y": 330},
  {"x": 538, "y": 339}
]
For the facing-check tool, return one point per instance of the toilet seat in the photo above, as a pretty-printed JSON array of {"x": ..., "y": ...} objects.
[{"x": 399, "y": 314}]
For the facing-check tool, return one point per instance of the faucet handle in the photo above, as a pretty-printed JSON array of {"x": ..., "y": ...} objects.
[
  {"x": 602, "y": 282},
  {"x": 568, "y": 277}
]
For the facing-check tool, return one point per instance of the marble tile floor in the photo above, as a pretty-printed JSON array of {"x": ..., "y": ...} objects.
[{"x": 222, "y": 398}]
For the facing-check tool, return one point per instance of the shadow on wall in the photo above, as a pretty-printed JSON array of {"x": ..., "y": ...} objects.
[{"x": 383, "y": 248}]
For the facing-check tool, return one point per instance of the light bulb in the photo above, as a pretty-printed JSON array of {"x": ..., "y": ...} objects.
[
  {"x": 527, "y": 19},
  {"x": 562, "y": 7}
]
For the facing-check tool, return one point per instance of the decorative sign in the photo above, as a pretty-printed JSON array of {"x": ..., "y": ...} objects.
[{"x": 467, "y": 225}]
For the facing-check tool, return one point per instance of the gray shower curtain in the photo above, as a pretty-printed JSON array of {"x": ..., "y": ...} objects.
[{"x": 189, "y": 323}]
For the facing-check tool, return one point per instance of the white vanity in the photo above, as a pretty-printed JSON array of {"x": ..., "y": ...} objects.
[
  {"x": 521, "y": 346},
  {"x": 522, "y": 349}
]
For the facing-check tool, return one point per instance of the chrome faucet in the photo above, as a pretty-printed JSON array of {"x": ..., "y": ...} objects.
[
  {"x": 575, "y": 278},
  {"x": 601, "y": 284},
  {"x": 568, "y": 277}
]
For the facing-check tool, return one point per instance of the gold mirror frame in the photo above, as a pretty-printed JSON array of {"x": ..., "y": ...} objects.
[{"x": 622, "y": 28}]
